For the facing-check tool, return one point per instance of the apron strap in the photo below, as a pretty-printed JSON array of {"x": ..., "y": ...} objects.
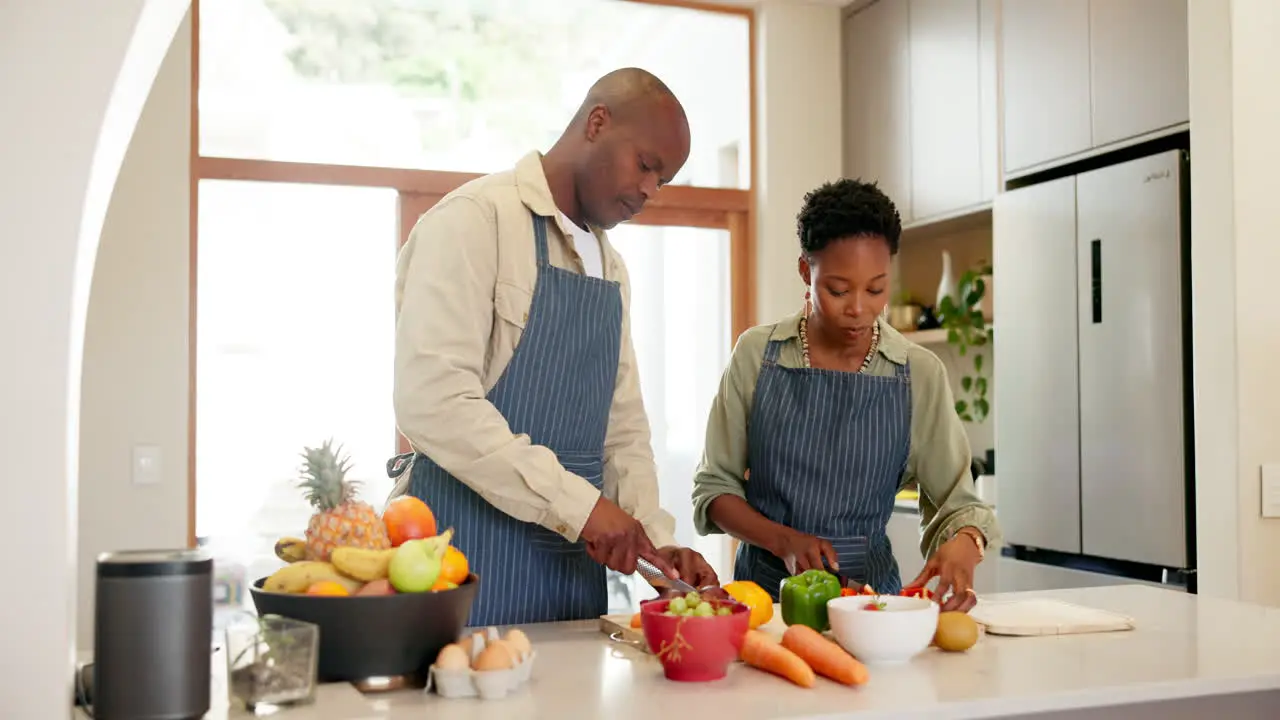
[
  {"x": 771, "y": 352},
  {"x": 540, "y": 239}
]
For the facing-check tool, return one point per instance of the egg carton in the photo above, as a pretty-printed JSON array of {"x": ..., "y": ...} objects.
[{"x": 485, "y": 684}]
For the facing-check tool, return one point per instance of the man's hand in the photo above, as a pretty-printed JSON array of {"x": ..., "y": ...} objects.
[
  {"x": 615, "y": 539},
  {"x": 691, "y": 566}
]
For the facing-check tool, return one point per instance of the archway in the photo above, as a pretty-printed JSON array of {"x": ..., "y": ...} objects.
[{"x": 75, "y": 78}]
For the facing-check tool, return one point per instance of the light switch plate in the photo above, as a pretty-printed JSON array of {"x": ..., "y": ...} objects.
[
  {"x": 146, "y": 464},
  {"x": 1271, "y": 490}
]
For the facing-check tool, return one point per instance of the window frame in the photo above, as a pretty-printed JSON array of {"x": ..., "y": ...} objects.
[{"x": 728, "y": 209}]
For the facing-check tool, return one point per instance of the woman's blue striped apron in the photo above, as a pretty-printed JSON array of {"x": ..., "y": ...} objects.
[
  {"x": 827, "y": 451},
  {"x": 557, "y": 389}
]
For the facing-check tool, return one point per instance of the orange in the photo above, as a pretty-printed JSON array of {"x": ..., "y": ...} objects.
[
  {"x": 408, "y": 518},
  {"x": 754, "y": 597},
  {"x": 442, "y": 584},
  {"x": 327, "y": 587},
  {"x": 454, "y": 567}
]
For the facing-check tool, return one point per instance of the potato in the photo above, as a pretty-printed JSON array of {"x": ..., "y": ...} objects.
[{"x": 956, "y": 632}]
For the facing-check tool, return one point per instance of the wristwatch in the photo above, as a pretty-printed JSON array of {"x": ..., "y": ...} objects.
[{"x": 977, "y": 537}]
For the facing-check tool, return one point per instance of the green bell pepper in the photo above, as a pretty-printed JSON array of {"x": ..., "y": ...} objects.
[{"x": 804, "y": 598}]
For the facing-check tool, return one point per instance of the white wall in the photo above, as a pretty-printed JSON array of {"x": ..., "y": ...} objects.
[
  {"x": 799, "y": 137},
  {"x": 1234, "y": 112},
  {"x": 74, "y": 77},
  {"x": 135, "y": 380}
]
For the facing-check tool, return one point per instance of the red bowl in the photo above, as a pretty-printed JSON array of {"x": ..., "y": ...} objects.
[{"x": 695, "y": 649}]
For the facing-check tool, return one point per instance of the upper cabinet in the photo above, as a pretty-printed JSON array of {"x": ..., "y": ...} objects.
[
  {"x": 877, "y": 100},
  {"x": 1082, "y": 74},
  {"x": 953, "y": 105},
  {"x": 1139, "y": 69},
  {"x": 1045, "y": 70},
  {"x": 921, "y": 103}
]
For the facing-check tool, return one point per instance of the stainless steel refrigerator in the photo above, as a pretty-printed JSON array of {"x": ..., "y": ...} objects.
[{"x": 1091, "y": 350}]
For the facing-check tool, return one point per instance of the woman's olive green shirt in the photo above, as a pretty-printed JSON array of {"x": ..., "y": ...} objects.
[{"x": 938, "y": 460}]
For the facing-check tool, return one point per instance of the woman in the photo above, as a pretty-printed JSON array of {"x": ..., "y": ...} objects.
[{"x": 823, "y": 417}]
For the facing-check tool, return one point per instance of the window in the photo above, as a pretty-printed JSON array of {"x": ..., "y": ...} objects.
[
  {"x": 462, "y": 85},
  {"x": 680, "y": 324},
  {"x": 295, "y": 315},
  {"x": 326, "y": 127}
]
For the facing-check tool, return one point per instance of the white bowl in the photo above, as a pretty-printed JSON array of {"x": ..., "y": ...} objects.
[{"x": 895, "y": 634}]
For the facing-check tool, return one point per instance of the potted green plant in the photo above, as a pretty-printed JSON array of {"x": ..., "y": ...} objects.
[{"x": 969, "y": 333}]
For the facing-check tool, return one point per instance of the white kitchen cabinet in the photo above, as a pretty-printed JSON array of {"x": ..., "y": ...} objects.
[
  {"x": 877, "y": 100},
  {"x": 1045, "y": 69},
  {"x": 989, "y": 99},
  {"x": 921, "y": 112},
  {"x": 1139, "y": 69},
  {"x": 946, "y": 116},
  {"x": 1083, "y": 74}
]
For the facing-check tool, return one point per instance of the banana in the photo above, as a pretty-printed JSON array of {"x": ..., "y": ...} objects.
[
  {"x": 291, "y": 549},
  {"x": 297, "y": 577},
  {"x": 362, "y": 563}
]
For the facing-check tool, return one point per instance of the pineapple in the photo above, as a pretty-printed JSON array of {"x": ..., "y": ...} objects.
[{"x": 340, "y": 519}]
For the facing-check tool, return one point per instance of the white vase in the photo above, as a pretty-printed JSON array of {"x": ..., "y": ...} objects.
[{"x": 947, "y": 283}]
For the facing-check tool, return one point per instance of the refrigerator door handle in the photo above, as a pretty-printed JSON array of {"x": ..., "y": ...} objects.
[{"x": 1095, "y": 273}]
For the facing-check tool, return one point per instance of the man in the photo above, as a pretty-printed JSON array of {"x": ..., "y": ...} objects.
[{"x": 516, "y": 379}]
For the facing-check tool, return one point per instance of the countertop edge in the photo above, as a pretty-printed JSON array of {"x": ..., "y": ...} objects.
[{"x": 1107, "y": 697}]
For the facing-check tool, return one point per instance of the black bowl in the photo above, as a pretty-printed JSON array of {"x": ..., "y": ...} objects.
[{"x": 363, "y": 637}]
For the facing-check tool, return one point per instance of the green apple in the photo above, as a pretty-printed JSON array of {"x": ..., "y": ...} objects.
[{"x": 415, "y": 566}]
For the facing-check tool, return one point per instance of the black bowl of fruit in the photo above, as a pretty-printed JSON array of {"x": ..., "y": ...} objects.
[{"x": 381, "y": 613}]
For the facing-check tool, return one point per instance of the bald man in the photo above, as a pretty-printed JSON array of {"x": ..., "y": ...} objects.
[{"x": 516, "y": 380}]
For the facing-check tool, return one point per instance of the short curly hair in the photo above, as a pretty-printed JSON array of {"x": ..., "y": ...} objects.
[{"x": 847, "y": 208}]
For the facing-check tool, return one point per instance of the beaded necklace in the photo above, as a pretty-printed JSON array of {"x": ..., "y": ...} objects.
[{"x": 866, "y": 362}]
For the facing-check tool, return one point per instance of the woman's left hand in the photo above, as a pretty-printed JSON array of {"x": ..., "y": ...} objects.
[{"x": 953, "y": 564}]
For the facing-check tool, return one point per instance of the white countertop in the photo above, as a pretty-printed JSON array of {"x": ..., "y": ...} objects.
[{"x": 1184, "y": 646}]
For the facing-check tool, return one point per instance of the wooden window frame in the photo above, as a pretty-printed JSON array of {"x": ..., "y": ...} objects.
[{"x": 733, "y": 210}]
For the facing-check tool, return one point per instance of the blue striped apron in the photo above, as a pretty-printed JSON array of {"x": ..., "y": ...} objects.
[
  {"x": 827, "y": 450},
  {"x": 557, "y": 389}
]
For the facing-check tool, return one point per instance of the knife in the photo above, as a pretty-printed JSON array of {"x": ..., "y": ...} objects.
[
  {"x": 657, "y": 578},
  {"x": 851, "y": 583}
]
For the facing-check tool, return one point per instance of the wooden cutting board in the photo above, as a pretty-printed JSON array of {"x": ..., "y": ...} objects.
[
  {"x": 1041, "y": 616},
  {"x": 618, "y": 627}
]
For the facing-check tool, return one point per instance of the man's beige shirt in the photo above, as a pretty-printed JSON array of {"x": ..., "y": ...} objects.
[
  {"x": 938, "y": 459},
  {"x": 464, "y": 283}
]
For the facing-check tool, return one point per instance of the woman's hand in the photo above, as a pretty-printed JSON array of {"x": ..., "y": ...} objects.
[
  {"x": 801, "y": 552},
  {"x": 953, "y": 564}
]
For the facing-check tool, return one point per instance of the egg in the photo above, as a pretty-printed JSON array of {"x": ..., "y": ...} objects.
[
  {"x": 520, "y": 641},
  {"x": 453, "y": 657},
  {"x": 494, "y": 657},
  {"x": 517, "y": 654}
]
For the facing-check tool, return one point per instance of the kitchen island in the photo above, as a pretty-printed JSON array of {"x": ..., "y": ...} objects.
[{"x": 1188, "y": 657}]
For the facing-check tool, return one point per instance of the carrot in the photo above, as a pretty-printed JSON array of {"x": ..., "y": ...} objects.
[
  {"x": 762, "y": 652},
  {"x": 824, "y": 656}
]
